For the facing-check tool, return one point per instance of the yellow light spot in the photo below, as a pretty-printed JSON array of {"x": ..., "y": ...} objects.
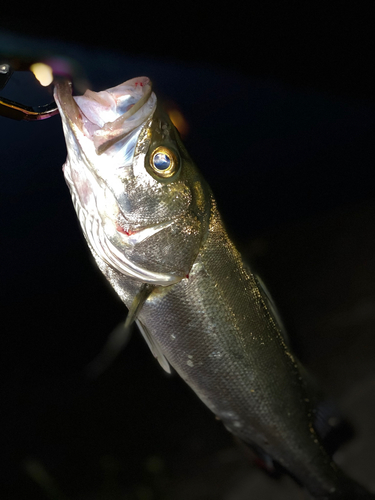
[{"x": 43, "y": 73}]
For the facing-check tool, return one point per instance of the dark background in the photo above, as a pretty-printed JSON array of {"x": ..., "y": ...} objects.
[
  {"x": 280, "y": 106},
  {"x": 322, "y": 45}
]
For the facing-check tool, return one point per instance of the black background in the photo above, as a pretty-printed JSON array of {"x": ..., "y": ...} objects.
[{"x": 323, "y": 45}]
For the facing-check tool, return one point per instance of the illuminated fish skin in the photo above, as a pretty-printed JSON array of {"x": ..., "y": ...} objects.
[{"x": 208, "y": 316}]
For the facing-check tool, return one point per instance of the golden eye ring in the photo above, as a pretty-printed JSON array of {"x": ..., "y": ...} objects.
[{"x": 163, "y": 162}]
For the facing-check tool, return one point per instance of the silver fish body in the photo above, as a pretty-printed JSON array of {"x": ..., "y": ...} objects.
[{"x": 149, "y": 217}]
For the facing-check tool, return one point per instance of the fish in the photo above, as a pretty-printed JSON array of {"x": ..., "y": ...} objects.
[{"x": 155, "y": 232}]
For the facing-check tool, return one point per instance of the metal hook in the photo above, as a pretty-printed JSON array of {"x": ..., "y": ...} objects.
[
  {"x": 18, "y": 111},
  {"x": 5, "y": 73}
]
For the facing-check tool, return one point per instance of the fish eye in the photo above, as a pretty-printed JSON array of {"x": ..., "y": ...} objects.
[{"x": 163, "y": 162}]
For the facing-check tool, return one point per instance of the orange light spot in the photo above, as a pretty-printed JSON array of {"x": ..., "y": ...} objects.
[{"x": 177, "y": 118}]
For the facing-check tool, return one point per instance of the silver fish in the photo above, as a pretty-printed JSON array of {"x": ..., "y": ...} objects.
[{"x": 154, "y": 229}]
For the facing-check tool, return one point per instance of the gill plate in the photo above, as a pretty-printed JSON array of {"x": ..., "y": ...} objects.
[{"x": 98, "y": 240}]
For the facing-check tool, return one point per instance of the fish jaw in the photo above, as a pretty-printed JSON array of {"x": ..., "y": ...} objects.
[{"x": 142, "y": 228}]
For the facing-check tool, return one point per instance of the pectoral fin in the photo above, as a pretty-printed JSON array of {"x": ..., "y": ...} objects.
[
  {"x": 137, "y": 303},
  {"x": 117, "y": 340},
  {"x": 120, "y": 336}
]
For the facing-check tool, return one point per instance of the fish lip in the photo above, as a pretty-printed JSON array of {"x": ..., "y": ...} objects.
[{"x": 62, "y": 94}]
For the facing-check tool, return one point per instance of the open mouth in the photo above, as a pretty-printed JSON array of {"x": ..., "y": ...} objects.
[{"x": 108, "y": 116}]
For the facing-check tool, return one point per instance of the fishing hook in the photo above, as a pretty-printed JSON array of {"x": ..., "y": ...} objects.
[{"x": 18, "y": 111}]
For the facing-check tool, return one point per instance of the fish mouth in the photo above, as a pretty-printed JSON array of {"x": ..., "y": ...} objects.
[{"x": 108, "y": 116}]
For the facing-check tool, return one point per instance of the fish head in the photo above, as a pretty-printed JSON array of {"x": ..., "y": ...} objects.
[{"x": 142, "y": 203}]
